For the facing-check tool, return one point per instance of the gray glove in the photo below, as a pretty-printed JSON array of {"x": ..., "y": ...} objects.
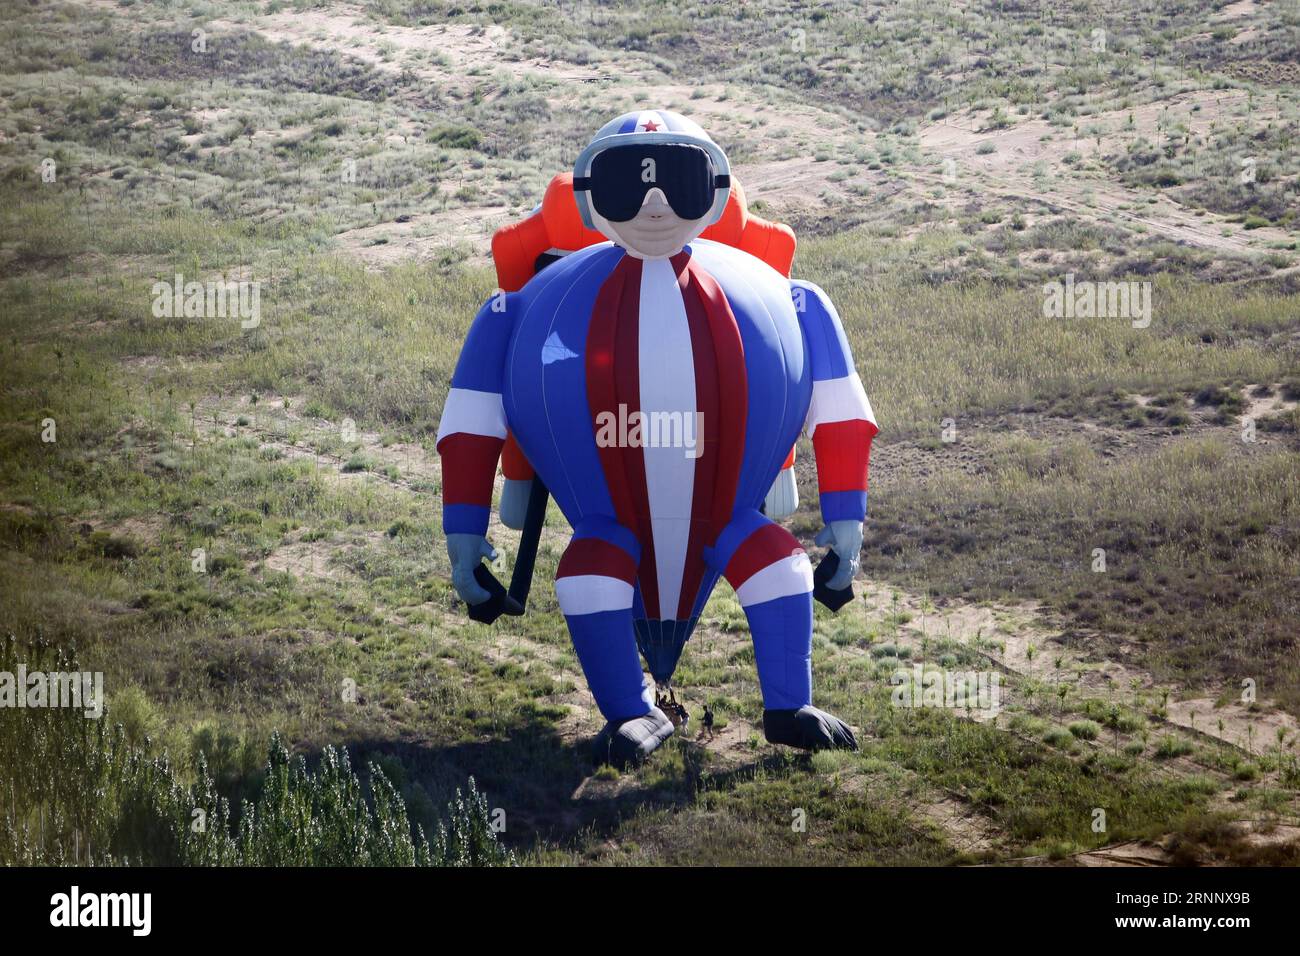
[
  {"x": 466, "y": 551},
  {"x": 845, "y": 539}
]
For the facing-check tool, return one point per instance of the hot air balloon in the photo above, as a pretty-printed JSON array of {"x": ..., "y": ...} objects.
[{"x": 650, "y": 364}]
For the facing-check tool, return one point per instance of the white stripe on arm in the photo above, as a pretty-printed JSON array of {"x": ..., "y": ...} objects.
[
  {"x": 838, "y": 400},
  {"x": 473, "y": 413}
]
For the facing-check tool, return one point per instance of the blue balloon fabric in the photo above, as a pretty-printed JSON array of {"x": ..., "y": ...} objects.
[{"x": 657, "y": 397}]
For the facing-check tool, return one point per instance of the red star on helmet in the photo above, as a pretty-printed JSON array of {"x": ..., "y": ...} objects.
[{"x": 650, "y": 126}]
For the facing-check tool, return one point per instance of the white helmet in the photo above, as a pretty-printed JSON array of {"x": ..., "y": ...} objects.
[{"x": 647, "y": 128}]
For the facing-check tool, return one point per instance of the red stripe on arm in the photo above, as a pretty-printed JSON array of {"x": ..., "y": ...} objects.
[
  {"x": 843, "y": 452},
  {"x": 469, "y": 468}
]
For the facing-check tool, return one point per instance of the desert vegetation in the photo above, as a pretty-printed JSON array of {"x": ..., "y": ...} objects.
[{"x": 239, "y": 526}]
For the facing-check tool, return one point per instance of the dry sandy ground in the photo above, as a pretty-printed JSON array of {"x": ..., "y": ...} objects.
[
  {"x": 1009, "y": 170},
  {"x": 454, "y": 56},
  {"x": 781, "y": 137}
]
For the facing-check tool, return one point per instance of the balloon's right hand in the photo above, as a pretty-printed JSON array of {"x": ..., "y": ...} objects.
[{"x": 466, "y": 551}]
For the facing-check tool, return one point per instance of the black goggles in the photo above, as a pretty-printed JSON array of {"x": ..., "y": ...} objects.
[{"x": 622, "y": 175}]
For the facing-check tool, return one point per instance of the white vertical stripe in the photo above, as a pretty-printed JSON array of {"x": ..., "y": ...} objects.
[{"x": 666, "y": 365}]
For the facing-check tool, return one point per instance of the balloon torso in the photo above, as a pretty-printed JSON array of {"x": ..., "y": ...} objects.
[{"x": 664, "y": 394}]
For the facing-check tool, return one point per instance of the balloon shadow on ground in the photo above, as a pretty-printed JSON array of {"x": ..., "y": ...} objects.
[{"x": 542, "y": 781}]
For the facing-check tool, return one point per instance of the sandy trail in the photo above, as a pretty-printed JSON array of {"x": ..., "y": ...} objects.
[
  {"x": 1025, "y": 642},
  {"x": 1028, "y": 162},
  {"x": 456, "y": 56}
]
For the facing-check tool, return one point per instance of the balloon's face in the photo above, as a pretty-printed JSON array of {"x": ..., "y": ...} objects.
[
  {"x": 655, "y": 232},
  {"x": 651, "y": 198}
]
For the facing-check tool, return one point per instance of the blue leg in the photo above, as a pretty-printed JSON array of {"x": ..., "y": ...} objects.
[
  {"x": 773, "y": 581},
  {"x": 594, "y": 585}
]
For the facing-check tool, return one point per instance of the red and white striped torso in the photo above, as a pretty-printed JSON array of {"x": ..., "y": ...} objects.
[{"x": 666, "y": 363}]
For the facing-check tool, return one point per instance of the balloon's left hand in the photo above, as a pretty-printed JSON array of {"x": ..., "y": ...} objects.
[{"x": 845, "y": 539}]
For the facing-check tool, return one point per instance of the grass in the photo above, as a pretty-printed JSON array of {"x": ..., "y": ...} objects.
[
  {"x": 913, "y": 337},
  {"x": 1200, "y": 541},
  {"x": 101, "y": 799},
  {"x": 239, "y": 526},
  {"x": 243, "y": 649}
]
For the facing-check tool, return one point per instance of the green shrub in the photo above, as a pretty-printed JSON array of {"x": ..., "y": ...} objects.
[
  {"x": 101, "y": 799},
  {"x": 1059, "y": 737},
  {"x": 1171, "y": 746},
  {"x": 138, "y": 717},
  {"x": 1085, "y": 729},
  {"x": 115, "y": 547},
  {"x": 455, "y": 137}
]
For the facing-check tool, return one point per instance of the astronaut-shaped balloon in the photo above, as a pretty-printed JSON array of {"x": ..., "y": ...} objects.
[{"x": 656, "y": 381}]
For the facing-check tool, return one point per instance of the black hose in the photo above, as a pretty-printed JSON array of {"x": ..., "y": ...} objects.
[{"x": 521, "y": 581}]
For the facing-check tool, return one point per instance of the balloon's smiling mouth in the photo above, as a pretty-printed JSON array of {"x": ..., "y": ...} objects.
[
  {"x": 654, "y": 235},
  {"x": 656, "y": 229}
]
